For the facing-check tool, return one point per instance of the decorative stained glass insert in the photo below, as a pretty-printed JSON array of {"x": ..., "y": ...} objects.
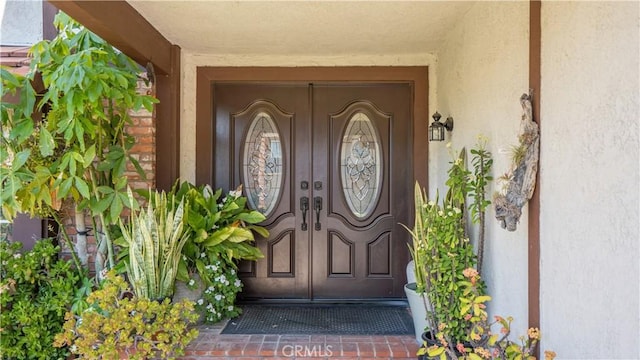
[
  {"x": 262, "y": 164},
  {"x": 361, "y": 165}
]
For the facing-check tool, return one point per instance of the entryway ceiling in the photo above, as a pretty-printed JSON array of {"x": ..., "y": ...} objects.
[{"x": 303, "y": 27}]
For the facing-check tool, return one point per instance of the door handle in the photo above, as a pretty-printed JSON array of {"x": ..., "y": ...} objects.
[
  {"x": 304, "y": 206},
  {"x": 317, "y": 205}
]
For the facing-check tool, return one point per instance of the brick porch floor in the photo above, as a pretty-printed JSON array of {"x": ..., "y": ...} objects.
[{"x": 210, "y": 344}]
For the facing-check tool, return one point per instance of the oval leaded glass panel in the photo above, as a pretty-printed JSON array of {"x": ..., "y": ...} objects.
[
  {"x": 360, "y": 165},
  {"x": 262, "y": 164}
]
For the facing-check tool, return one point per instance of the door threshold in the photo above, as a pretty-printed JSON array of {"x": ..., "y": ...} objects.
[{"x": 379, "y": 302}]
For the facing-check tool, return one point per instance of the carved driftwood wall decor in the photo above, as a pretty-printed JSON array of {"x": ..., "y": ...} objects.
[{"x": 521, "y": 178}]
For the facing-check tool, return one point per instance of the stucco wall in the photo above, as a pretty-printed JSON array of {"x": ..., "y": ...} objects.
[
  {"x": 590, "y": 179},
  {"x": 482, "y": 72},
  {"x": 21, "y": 22}
]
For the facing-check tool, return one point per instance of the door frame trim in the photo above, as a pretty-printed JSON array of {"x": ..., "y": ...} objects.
[{"x": 207, "y": 76}]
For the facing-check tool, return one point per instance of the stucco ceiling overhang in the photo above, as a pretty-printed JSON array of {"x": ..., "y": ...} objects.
[{"x": 303, "y": 27}]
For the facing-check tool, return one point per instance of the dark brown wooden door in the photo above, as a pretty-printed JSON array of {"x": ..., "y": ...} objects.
[{"x": 343, "y": 153}]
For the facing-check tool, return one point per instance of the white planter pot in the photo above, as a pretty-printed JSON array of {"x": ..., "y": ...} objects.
[
  {"x": 418, "y": 310},
  {"x": 411, "y": 272}
]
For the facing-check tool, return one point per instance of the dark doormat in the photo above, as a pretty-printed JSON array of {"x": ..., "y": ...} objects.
[{"x": 322, "y": 319}]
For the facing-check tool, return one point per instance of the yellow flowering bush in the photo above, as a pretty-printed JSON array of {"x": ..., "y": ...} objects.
[{"x": 118, "y": 323}]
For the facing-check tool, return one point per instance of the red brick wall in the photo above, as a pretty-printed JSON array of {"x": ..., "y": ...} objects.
[{"x": 144, "y": 150}]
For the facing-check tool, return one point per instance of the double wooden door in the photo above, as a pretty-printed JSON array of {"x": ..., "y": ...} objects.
[{"x": 330, "y": 165}]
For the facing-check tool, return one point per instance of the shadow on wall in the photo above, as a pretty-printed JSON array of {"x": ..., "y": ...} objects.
[{"x": 27, "y": 230}]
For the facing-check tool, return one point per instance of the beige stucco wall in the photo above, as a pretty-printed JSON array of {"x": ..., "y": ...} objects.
[
  {"x": 21, "y": 22},
  {"x": 590, "y": 178},
  {"x": 482, "y": 72}
]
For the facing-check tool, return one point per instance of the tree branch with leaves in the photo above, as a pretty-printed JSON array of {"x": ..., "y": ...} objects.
[{"x": 79, "y": 148}]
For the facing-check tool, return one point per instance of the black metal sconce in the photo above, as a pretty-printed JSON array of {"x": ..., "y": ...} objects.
[{"x": 436, "y": 129}]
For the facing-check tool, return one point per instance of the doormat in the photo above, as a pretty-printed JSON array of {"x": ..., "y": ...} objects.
[{"x": 322, "y": 319}]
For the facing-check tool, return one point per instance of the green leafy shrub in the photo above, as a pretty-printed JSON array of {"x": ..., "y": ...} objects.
[
  {"x": 219, "y": 226},
  {"x": 36, "y": 289},
  {"x": 118, "y": 323},
  {"x": 441, "y": 247},
  {"x": 482, "y": 342},
  {"x": 221, "y": 232},
  {"x": 440, "y": 240}
]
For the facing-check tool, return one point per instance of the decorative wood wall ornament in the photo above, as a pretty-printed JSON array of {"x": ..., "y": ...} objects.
[{"x": 521, "y": 178}]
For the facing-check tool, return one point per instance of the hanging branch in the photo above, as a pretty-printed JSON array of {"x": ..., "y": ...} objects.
[{"x": 521, "y": 178}]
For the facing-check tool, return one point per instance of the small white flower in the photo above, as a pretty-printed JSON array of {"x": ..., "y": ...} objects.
[
  {"x": 230, "y": 308},
  {"x": 237, "y": 283},
  {"x": 191, "y": 282},
  {"x": 224, "y": 199},
  {"x": 235, "y": 194},
  {"x": 16, "y": 256},
  {"x": 223, "y": 278},
  {"x": 202, "y": 254},
  {"x": 218, "y": 297},
  {"x": 233, "y": 272},
  {"x": 200, "y": 301},
  {"x": 73, "y": 348}
]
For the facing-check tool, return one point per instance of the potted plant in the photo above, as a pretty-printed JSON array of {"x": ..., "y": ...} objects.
[
  {"x": 221, "y": 232},
  {"x": 120, "y": 325},
  {"x": 151, "y": 245},
  {"x": 416, "y": 290},
  {"x": 441, "y": 248}
]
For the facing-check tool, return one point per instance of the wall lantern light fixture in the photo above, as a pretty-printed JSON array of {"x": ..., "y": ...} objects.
[{"x": 436, "y": 129}]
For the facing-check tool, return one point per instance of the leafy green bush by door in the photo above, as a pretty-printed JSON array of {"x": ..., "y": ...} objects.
[{"x": 36, "y": 289}]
